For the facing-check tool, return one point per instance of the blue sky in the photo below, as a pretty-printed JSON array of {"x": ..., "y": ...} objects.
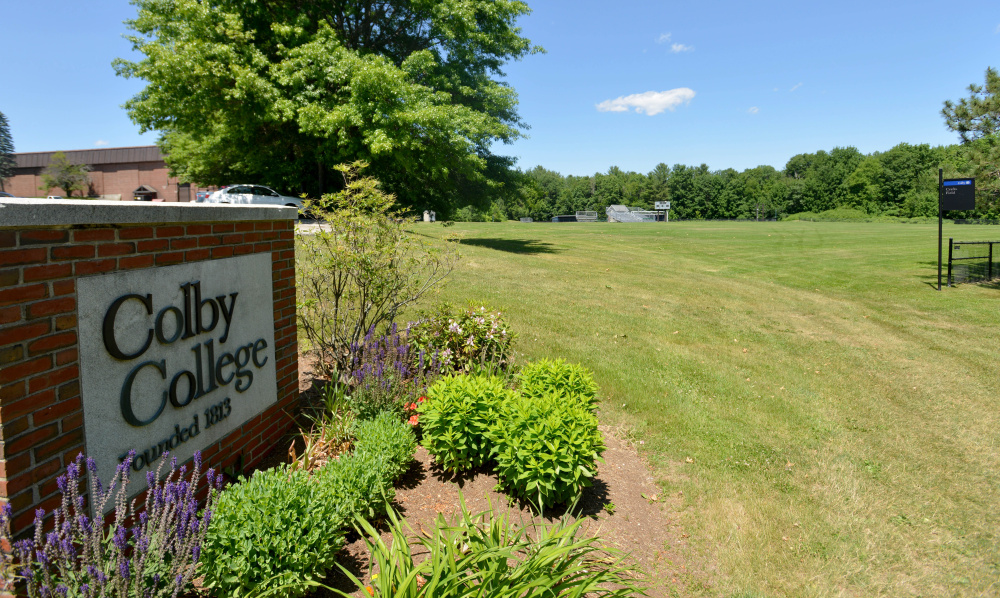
[{"x": 628, "y": 83}]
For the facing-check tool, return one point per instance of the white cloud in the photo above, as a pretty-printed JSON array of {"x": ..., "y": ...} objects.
[
  {"x": 650, "y": 102},
  {"x": 677, "y": 48},
  {"x": 796, "y": 86},
  {"x": 100, "y": 143},
  {"x": 753, "y": 110},
  {"x": 664, "y": 38}
]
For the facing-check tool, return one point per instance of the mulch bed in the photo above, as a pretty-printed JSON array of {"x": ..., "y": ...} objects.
[{"x": 641, "y": 522}]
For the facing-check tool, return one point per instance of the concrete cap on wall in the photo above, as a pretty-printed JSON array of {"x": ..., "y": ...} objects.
[{"x": 69, "y": 212}]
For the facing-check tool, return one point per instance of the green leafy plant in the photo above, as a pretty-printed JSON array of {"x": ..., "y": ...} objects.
[
  {"x": 545, "y": 376},
  {"x": 387, "y": 435},
  {"x": 546, "y": 448},
  {"x": 465, "y": 339},
  {"x": 358, "y": 270},
  {"x": 281, "y": 527},
  {"x": 488, "y": 554},
  {"x": 456, "y": 417},
  {"x": 279, "y": 531}
]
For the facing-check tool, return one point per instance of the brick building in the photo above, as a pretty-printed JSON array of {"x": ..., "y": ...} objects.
[{"x": 118, "y": 173}]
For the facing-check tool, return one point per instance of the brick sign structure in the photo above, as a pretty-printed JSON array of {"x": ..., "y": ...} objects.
[{"x": 136, "y": 326}]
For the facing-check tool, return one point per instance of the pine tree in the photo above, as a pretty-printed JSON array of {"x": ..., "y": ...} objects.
[{"x": 6, "y": 152}]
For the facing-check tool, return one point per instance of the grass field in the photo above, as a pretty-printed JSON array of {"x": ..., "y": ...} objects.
[{"x": 828, "y": 419}]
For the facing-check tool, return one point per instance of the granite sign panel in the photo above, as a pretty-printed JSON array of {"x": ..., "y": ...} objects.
[{"x": 174, "y": 358}]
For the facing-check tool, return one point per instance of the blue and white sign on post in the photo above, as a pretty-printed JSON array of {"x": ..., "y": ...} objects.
[
  {"x": 953, "y": 194},
  {"x": 958, "y": 194}
]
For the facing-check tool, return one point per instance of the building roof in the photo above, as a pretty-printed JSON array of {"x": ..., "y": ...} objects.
[{"x": 107, "y": 155}]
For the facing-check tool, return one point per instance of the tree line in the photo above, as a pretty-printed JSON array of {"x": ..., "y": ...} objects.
[{"x": 900, "y": 182}]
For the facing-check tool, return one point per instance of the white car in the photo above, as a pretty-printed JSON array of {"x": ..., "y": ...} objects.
[{"x": 252, "y": 195}]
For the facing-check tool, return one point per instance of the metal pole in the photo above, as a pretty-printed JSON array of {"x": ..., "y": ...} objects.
[
  {"x": 989, "y": 264},
  {"x": 940, "y": 222},
  {"x": 951, "y": 243}
]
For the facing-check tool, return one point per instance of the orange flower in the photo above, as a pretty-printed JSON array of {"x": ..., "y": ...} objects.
[
  {"x": 413, "y": 420},
  {"x": 421, "y": 399},
  {"x": 411, "y": 406},
  {"x": 371, "y": 592}
]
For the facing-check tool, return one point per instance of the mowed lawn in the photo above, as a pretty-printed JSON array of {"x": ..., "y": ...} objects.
[{"x": 825, "y": 420}]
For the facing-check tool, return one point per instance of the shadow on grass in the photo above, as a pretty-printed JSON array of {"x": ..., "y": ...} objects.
[{"x": 522, "y": 246}]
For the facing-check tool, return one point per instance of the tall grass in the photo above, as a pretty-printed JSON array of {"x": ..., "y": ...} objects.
[{"x": 827, "y": 419}]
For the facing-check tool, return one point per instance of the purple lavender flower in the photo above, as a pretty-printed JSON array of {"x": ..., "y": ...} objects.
[{"x": 120, "y": 539}]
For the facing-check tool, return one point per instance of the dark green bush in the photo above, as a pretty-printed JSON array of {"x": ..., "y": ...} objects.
[
  {"x": 280, "y": 530},
  {"x": 456, "y": 417},
  {"x": 546, "y": 376},
  {"x": 546, "y": 448}
]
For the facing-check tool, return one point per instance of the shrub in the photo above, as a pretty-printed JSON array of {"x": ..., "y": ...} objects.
[
  {"x": 356, "y": 272},
  {"x": 456, "y": 416},
  {"x": 465, "y": 338},
  {"x": 387, "y": 435},
  {"x": 387, "y": 373},
  {"x": 546, "y": 376},
  {"x": 154, "y": 557},
  {"x": 280, "y": 530},
  {"x": 546, "y": 448},
  {"x": 488, "y": 555}
]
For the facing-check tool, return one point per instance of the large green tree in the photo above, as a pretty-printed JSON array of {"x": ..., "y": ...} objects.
[
  {"x": 6, "y": 151},
  {"x": 280, "y": 91}
]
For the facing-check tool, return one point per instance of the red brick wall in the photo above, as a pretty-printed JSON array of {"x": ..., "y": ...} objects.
[
  {"x": 105, "y": 179},
  {"x": 41, "y": 414}
]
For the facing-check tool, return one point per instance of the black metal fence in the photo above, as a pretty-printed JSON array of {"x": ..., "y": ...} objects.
[{"x": 972, "y": 261}]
